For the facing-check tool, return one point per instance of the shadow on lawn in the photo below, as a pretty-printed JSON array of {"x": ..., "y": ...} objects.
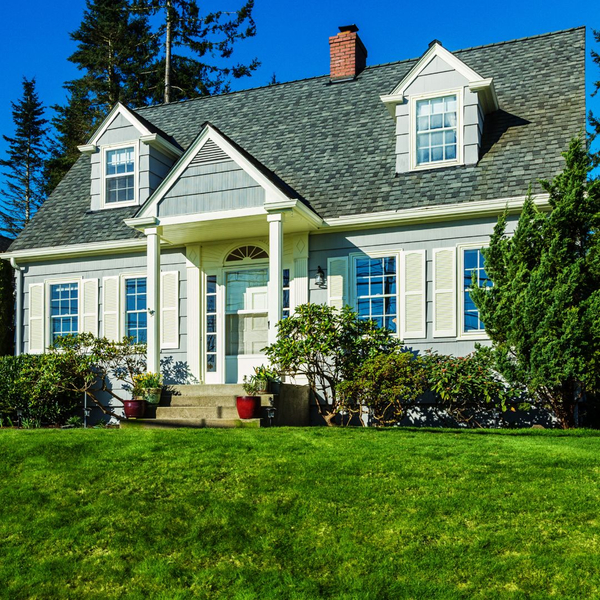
[{"x": 498, "y": 432}]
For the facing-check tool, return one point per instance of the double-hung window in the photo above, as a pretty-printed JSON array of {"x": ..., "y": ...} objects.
[
  {"x": 473, "y": 270},
  {"x": 120, "y": 175},
  {"x": 136, "y": 315},
  {"x": 64, "y": 309},
  {"x": 436, "y": 130},
  {"x": 376, "y": 283}
]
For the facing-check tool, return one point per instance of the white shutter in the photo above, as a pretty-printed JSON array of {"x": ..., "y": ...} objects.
[
  {"x": 337, "y": 280},
  {"x": 89, "y": 306},
  {"x": 169, "y": 309},
  {"x": 36, "y": 318},
  {"x": 412, "y": 294},
  {"x": 444, "y": 292},
  {"x": 110, "y": 308}
]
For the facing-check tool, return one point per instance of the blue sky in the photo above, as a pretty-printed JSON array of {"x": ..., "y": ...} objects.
[{"x": 292, "y": 38}]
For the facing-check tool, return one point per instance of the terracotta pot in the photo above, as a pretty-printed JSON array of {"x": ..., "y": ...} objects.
[
  {"x": 134, "y": 409},
  {"x": 152, "y": 395},
  {"x": 247, "y": 406}
]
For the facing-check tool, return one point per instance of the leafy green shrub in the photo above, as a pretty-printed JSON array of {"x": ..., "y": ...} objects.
[
  {"x": 388, "y": 384},
  {"x": 326, "y": 346}
]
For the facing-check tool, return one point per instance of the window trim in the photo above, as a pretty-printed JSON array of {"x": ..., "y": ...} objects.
[
  {"x": 123, "y": 299},
  {"x": 135, "y": 144},
  {"x": 414, "y": 166},
  {"x": 462, "y": 334},
  {"x": 48, "y": 304},
  {"x": 352, "y": 297}
]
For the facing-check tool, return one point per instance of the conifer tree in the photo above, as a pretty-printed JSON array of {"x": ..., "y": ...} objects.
[
  {"x": 593, "y": 119},
  {"x": 542, "y": 311},
  {"x": 23, "y": 193}
]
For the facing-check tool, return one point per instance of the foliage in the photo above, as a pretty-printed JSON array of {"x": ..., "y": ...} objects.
[
  {"x": 23, "y": 167},
  {"x": 542, "y": 311},
  {"x": 28, "y": 386},
  {"x": 594, "y": 121},
  {"x": 326, "y": 346},
  {"x": 197, "y": 47},
  {"x": 388, "y": 384},
  {"x": 93, "y": 366},
  {"x": 146, "y": 381},
  {"x": 251, "y": 385},
  {"x": 7, "y": 308},
  {"x": 264, "y": 373}
]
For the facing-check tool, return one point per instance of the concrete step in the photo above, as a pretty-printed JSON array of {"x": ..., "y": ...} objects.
[
  {"x": 189, "y": 423},
  {"x": 196, "y": 412},
  {"x": 198, "y": 390},
  {"x": 207, "y": 400}
]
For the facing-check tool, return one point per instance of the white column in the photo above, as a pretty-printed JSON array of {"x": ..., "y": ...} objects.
[
  {"x": 194, "y": 328},
  {"x": 275, "y": 263},
  {"x": 153, "y": 297},
  {"x": 18, "y": 307}
]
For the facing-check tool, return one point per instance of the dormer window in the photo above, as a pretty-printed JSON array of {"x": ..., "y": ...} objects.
[
  {"x": 119, "y": 176},
  {"x": 436, "y": 130}
]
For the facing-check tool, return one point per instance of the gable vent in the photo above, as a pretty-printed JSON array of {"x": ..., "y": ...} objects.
[{"x": 209, "y": 153}]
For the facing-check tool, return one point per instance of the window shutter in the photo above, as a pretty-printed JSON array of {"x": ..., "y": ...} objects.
[
  {"x": 337, "y": 276},
  {"x": 110, "y": 308},
  {"x": 169, "y": 309},
  {"x": 89, "y": 306},
  {"x": 444, "y": 292},
  {"x": 36, "y": 318},
  {"x": 413, "y": 293}
]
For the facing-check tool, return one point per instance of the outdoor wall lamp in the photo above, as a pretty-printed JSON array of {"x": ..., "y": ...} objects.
[{"x": 320, "y": 278}]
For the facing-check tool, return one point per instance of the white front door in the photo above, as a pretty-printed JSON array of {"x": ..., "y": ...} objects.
[{"x": 246, "y": 321}]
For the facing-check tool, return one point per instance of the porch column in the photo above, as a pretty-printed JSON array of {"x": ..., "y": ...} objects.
[
  {"x": 275, "y": 274},
  {"x": 153, "y": 297}
]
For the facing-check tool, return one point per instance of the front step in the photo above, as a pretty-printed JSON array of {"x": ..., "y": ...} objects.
[{"x": 190, "y": 423}]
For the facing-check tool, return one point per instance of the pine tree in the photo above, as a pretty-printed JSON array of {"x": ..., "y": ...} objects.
[
  {"x": 542, "y": 311},
  {"x": 23, "y": 169},
  {"x": 204, "y": 41}
]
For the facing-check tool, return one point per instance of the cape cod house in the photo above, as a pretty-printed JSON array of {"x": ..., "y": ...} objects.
[{"x": 198, "y": 225}]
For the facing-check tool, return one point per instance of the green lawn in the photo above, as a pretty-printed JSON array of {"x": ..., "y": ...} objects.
[{"x": 299, "y": 513}]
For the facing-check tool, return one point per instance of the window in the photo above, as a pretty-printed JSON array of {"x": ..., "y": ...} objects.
[
  {"x": 136, "y": 316},
  {"x": 436, "y": 130},
  {"x": 286, "y": 294},
  {"x": 211, "y": 323},
  {"x": 473, "y": 270},
  {"x": 119, "y": 175},
  {"x": 376, "y": 283},
  {"x": 64, "y": 309}
]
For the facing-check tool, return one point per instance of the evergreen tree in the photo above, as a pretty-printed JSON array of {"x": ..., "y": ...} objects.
[
  {"x": 23, "y": 169},
  {"x": 205, "y": 41},
  {"x": 542, "y": 311},
  {"x": 593, "y": 120}
]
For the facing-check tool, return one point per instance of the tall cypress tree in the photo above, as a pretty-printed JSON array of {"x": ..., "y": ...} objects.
[
  {"x": 24, "y": 190},
  {"x": 542, "y": 311}
]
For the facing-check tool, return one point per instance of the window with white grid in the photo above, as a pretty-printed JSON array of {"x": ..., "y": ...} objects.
[
  {"x": 436, "y": 128},
  {"x": 64, "y": 309},
  {"x": 119, "y": 175}
]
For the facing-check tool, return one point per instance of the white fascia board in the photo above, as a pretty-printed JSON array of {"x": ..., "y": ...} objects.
[
  {"x": 162, "y": 145},
  {"x": 88, "y": 149},
  {"x": 467, "y": 210},
  {"x": 75, "y": 250},
  {"x": 213, "y": 216},
  {"x": 118, "y": 109},
  {"x": 141, "y": 223},
  {"x": 397, "y": 95},
  {"x": 187, "y": 157},
  {"x": 487, "y": 93}
]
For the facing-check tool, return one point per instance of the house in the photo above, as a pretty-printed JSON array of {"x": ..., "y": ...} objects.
[{"x": 196, "y": 226}]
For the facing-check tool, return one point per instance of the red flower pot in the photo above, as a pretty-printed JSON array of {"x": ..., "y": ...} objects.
[
  {"x": 134, "y": 408},
  {"x": 247, "y": 406}
]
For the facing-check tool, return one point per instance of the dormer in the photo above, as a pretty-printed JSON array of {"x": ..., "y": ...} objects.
[
  {"x": 129, "y": 158},
  {"x": 439, "y": 107}
]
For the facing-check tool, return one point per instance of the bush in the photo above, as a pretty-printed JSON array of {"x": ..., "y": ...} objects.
[{"x": 28, "y": 383}]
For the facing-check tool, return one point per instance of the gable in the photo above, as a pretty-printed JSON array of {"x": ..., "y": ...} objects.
[
  {"x": 438, "y": 75},
  {"x": 211, "y": 182}
]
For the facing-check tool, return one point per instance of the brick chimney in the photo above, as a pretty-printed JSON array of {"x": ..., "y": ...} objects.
[{"x": 347, "y": 54}]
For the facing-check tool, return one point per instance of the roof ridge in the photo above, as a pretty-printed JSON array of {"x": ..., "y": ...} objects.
[{"x": 368, "y": 68}]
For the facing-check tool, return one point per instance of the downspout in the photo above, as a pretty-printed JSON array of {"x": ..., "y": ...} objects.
[{"x": 19, "y": 307}]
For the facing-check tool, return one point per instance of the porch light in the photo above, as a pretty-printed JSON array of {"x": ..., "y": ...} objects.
[
  {"x": 271, "y": 411},
  {"x": 320, "y": 278}
]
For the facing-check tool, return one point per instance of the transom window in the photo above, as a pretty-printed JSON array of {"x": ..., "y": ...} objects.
[
  {"x": 246, "y": 252},
  {"x": 120, "y": 167},
  {"x": 136, "y": 315},
  {"x": 473, "y": 270},
  {"x": 436, "y": 129},
  {"x": 64, "y": 309},
  {"x": 376, "y": 282}
]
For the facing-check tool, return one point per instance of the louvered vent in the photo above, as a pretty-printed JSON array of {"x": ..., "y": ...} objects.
[{"x": 209, "y": 153}]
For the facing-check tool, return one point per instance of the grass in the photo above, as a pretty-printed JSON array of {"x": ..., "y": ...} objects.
[{"x": 299, "y": 514}]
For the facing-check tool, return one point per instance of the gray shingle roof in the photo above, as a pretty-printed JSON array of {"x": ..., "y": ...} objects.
[{"x": 334, "y": 144}]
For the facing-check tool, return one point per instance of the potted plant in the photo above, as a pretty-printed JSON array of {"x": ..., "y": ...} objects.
[
  {"x": 263, "y": 378},
  {"x": 148, "y": 386},
  {"x": 247, "y": 406}
]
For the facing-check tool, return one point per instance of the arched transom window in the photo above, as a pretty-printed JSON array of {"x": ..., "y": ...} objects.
[{"x": 246, "y": 253}]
